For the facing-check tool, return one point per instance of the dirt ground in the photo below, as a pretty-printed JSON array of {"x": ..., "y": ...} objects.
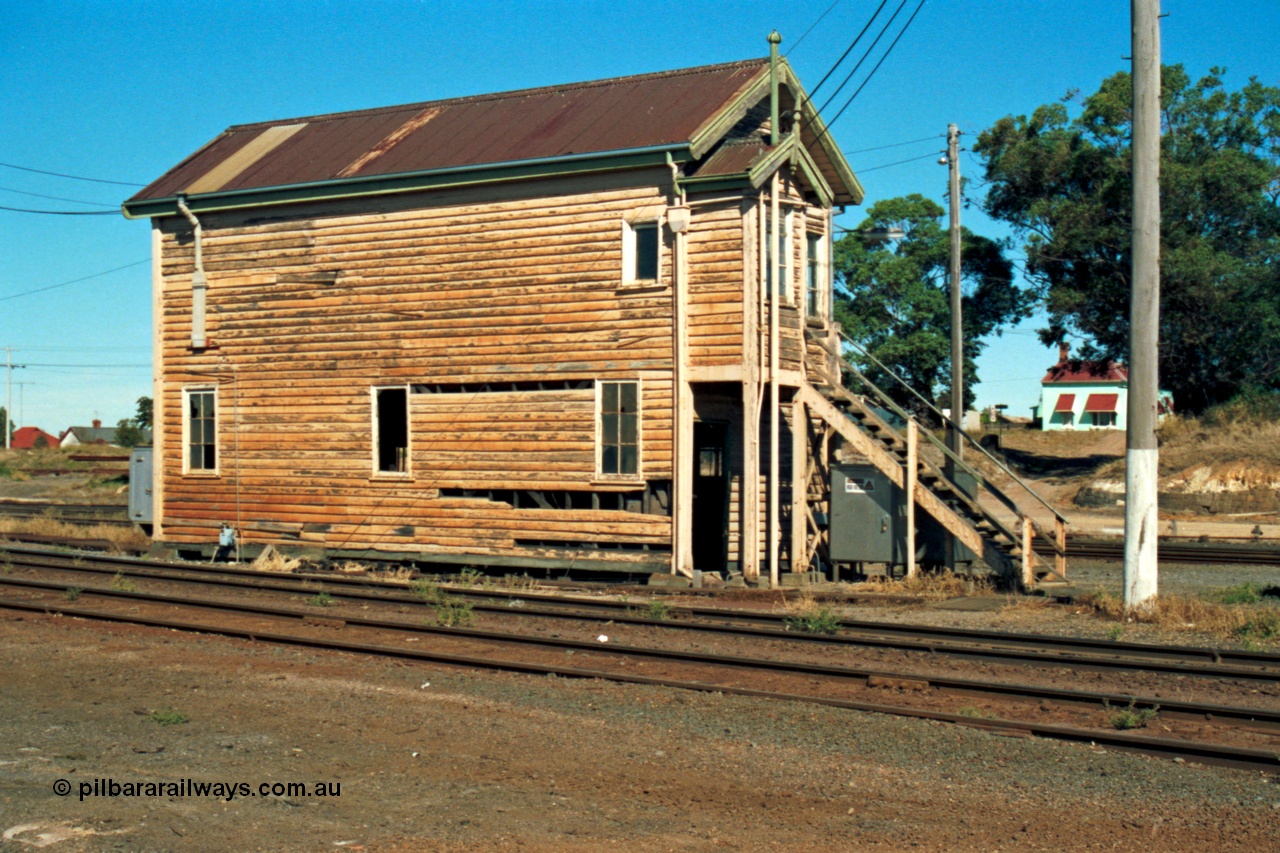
[{"x": 432, "y": 759}]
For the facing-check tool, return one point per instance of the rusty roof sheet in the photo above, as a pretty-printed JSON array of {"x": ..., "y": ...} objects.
[
  {"x": 617, "y": 114},
  {"x": 1085, "y": 372},
  {"x": 734, "y": 158}
]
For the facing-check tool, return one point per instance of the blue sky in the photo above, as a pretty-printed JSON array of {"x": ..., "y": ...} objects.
[{"x": 124, "y": 90}]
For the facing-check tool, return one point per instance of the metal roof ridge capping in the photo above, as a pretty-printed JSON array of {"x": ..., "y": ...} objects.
[{"x": 630, "y": 121}]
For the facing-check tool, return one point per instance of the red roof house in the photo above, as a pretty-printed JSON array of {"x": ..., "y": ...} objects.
[{"x": 29, "y": 438}]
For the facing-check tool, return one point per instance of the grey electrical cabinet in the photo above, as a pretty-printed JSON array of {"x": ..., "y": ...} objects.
[
  {"x": 868, "y": 516},
  {"x": 140, "y": 503}
]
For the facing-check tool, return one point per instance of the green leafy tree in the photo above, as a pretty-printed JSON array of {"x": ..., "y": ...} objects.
[
  {"x": 143, "y": 416},
  {"x": 1064, "y": 183},
  {"x": 893, "y": 298},
  {"x": 128, "y": 434}
]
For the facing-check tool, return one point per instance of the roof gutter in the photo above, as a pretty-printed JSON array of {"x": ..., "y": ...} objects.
[{"x": 403, "y": 182}]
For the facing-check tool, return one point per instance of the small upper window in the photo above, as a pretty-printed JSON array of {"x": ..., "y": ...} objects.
[
  {"x": 783, "y": 251},
  {"x": 619, "y": 436},
  {"x": 814, "y": 280},
  {"x": 202, "y": 430},
  {"x": 391, "y": 428},
  {"x": 640, "y": 247}
]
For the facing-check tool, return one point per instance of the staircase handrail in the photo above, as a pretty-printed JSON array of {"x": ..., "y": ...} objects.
[{"x": 902, "y": 413}]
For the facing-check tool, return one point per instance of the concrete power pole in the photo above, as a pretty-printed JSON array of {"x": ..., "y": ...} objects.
[
  {"x": 9, "y": 367},
  {"x": 1141, "y": 453}
]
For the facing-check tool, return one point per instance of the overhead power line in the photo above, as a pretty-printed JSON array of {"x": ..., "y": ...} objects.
[
  {"x": 865, "y": 54},
  {"x": 72, "y": 177},
  {"x": 811, "y": 26},
  {"x": 898, "y": 163},
  {"x": 60, "y": 198},
  {"x": 846, "y": 53},
  {"x": 892, "y": 45},
  {"x": 73, "y": 281},
  {"x": 897, "y": 144},
  {"x": 63, "y": 212}
]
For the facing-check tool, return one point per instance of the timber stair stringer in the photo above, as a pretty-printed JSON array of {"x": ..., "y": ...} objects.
[{"x": 956, "y": 512}]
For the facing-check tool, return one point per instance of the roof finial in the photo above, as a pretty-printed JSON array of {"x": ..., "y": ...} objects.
[{"x": 774, "y": 41}]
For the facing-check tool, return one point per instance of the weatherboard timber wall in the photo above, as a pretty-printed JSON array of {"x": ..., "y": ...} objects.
[
  {"x": 716, "y": 284},
  {"x": 309, "y": 307}
]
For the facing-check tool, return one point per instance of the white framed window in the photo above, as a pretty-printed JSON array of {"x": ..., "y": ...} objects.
[
  {"x": 815, "y": 274},
  {"x": 390, "y": 430},
  {"x": 200, "y": 430},
  {"x": 618, "y": 429},
  {"x": 784, "y": 250},
  {"x": 641, "y": 251}
]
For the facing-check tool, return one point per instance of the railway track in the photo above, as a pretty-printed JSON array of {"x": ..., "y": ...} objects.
[
  {"x": 70, "y": 513},
  {"x": 795, "y": 680}
]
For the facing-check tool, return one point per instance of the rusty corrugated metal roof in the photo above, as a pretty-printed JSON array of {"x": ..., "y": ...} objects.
[
  {"x": 1086, "y": 371},
  {"x": 600, "y": 116},
  {"x": 734, "y": 158}
]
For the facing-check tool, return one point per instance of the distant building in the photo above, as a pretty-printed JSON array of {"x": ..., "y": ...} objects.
[
  {"x": 1077, "y": 394},
  {"x": 31, "y": 438},
  {"x": 96, "y": 434}
]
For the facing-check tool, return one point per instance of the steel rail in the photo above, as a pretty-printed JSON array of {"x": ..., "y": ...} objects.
[
  {"x": 1072, "y": 652},
  {"x": 1255, "y": 716},
  {"x": 1023, "y": 649},
  {"x": 1252, "y": 759}
]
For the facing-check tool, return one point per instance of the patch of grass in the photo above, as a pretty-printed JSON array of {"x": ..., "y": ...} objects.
[
  {"x": 819, "y": 620},
  {"x": 1115, "y": 632},
  {"x": 1245, "y": 593},
  {"x": 71, "y": 593},
  {"x": 321, "y": 599},
  {"x": 6, "y": 567},
  {"x": 976, "y": 713},
  {"x": 1245, "y": 622},
  {"x": 121, "y": 538},
  {"x": 121, "y": 583},
  {"x": 426, "y": 590},
  {"x": 943, "y": 584},
  {"x": 169, "y": 717},
  {"x": 6, "y": 473},
  {"x": 471, "y": 576},
  {"x": 1264, "y": 626},
  {"x": 454, "y": 613},
  {"x": 1131, "y": 717},
  {"x": 659, "y": 610}
]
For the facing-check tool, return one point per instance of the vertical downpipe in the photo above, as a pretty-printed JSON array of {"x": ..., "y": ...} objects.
[
  {"x": 198, "y": 282},
  {"x": 774, "y": 291}
]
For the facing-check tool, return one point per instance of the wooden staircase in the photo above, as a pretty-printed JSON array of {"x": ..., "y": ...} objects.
[{"x": 1008, "y": 549}]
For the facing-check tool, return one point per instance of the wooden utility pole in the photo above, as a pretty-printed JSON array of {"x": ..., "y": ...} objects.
[
  {"x": 9, "y": 367},
  {"x": 957, "y": 329},
  {"x": 955, "y": 440},
  {"x": 1141, "y": 453}
]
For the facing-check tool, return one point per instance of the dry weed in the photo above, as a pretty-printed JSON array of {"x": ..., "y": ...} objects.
[
  {"x": 271, "y": 560},
  {"x": 121, "y": 538},
  {"x": 1186, "y": 613},
  {"x": 943, "y": 584}
]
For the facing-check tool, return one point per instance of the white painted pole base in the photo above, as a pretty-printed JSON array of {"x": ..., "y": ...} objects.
[{"x": 1141, "y": 525}]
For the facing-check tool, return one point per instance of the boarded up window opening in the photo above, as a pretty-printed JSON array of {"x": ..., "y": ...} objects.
[
  {"x": 653, "y": 500},
  {"x": 498, "y": 387},
  {"x": 202, "y": 430},
  {"x": 392, "y": 429},
  {"x": 619, "y": 428}
]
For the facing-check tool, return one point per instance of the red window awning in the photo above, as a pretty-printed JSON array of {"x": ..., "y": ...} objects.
[
  {"x": 1065, "y": 402},
  {"x": 1101, "y": 402}
]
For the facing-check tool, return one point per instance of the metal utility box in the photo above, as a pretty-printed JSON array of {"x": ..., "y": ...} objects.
[
  {"x": 140, "y": 503},
  {"x": 868, "y": 516},
  {"x": 934, "y": 536}
]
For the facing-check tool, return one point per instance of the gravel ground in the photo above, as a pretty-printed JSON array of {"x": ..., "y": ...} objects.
[{"x": 433, "y": 759}]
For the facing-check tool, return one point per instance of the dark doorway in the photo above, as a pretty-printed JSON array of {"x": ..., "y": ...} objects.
[{"x": 710, "y": 496}]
